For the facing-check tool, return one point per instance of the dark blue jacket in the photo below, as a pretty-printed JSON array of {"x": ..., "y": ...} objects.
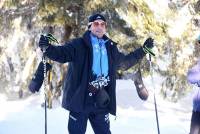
[{"x": 79, "y": 54}]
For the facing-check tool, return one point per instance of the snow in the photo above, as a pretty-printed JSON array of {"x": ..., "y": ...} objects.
[{"x": 133, "y": 115}]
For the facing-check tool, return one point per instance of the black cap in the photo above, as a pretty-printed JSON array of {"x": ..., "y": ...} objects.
[{"x": 96, "y": 17}]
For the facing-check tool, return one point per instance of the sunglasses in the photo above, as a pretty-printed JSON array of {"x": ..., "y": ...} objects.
[{"x": 96, "y": 24}]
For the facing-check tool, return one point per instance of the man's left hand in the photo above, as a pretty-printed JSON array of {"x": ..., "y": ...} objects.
[{"x": 149, "y": 43}]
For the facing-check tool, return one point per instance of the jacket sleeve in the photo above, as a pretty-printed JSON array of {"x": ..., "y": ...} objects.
[
  {"x": 124, "y": 62},
  {"x": 193, "y": 74},
  {"x": 62, "y": 54}
]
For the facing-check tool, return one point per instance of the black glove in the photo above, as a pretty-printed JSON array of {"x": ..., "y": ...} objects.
[
  {"x": 38, "y": 77},
  {"x": 149, "y": 43},
  {"x": 44, "y": 42}
]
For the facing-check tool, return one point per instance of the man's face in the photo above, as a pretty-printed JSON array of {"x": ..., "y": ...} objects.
[{"x": 98, "y": 28}]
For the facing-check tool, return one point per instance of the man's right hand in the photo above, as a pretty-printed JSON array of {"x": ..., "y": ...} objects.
[{"x": 43, "y": 43}]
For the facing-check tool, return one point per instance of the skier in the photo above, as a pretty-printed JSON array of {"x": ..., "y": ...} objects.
[
  {"x": 90, "y": 83},
  {"x": 193, "y": 76}
]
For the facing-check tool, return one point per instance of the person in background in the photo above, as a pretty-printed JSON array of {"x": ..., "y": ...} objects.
[{"x": 193, "y": 77}]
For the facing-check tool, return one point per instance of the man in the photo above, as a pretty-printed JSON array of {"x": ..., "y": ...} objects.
[{"x": 90, "y": 83}]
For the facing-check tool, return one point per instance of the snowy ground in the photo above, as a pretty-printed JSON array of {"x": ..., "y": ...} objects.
[{"x": 133, "y": 115}]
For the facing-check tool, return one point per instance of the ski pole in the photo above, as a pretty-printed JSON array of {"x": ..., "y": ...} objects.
[
  {"x": 50, "y": 38},
  {"x": 45, "y": 84},
  {"x": 154, "y": 96}
]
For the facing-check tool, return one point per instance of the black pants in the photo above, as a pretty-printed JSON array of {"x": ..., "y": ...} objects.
[
  {"x": 98, "y": 117},
  {"x": 78, "y": 122},
  {"x": 195, "y": 123}
]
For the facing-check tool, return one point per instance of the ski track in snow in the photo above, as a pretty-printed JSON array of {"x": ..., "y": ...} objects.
[{"x": 133, "y": 115}]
